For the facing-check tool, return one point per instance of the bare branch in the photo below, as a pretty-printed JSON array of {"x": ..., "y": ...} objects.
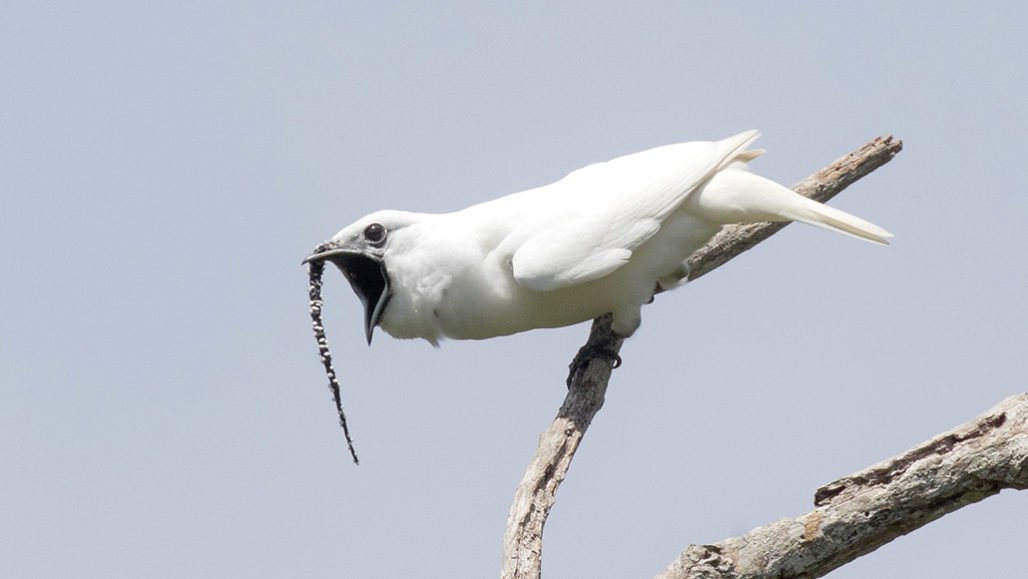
[
  {"x": 859, "y": 513},
  {"x": 522, "y": 541},
  {"x": 523, "y": 538}
]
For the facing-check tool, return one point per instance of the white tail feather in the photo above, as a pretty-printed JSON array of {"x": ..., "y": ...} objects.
[{"x": 736, "y": 196}]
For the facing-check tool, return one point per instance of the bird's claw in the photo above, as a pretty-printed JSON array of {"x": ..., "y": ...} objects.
[{"x": 586, "y": 354}]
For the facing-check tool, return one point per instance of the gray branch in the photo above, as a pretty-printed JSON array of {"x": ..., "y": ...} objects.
[
  {"x": 522, "y": 541},
  {"x": 859, "y": 513}
]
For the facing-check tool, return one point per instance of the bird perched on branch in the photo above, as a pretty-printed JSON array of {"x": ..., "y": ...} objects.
[{"x": 601, "y": 240}]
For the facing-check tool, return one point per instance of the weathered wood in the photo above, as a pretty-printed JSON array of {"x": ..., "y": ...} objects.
[
  {"x": 522, "y": 541},
  {"x": 859, "y": 513},
  {"x": 557, "y": 445}
]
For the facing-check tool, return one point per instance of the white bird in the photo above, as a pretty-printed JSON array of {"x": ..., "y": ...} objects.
[{"x": 601, "y": 240}]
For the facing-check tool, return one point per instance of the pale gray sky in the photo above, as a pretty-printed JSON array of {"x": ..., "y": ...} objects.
[{"x": 164, "y": 167}]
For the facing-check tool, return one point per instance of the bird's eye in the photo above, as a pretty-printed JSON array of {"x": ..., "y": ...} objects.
[{"x": 375, "y": 233}]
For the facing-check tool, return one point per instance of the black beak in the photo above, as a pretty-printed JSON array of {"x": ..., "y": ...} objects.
[{"x": 367, "y": 276}]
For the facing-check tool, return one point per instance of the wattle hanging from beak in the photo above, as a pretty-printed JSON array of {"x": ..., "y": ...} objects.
[{"x": 367, "y": 275}]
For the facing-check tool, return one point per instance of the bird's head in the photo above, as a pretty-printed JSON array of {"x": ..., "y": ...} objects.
[{"x": 360, "y": 251}]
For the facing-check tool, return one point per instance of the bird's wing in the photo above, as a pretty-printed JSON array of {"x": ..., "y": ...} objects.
[{"x": 588, "y": 223}]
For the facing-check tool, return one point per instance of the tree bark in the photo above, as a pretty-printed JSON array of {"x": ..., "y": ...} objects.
[
  {"x": 859, "y": 513},
  {"x": 536, "y": 494}
]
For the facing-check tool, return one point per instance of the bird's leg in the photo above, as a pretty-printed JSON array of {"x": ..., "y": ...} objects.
[{"x": 589, "y": 352}]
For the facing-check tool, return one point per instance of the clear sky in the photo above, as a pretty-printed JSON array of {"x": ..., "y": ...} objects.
[{"x": 164, "y": 167}]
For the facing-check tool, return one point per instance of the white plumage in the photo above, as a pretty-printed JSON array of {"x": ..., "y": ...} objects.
[{"x": 599, "y": 240}]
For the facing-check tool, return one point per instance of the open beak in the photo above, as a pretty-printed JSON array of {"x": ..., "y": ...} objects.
[{"x": 367, "y": 276}]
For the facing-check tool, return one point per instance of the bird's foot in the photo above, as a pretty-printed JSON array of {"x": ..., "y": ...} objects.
[{"x": 586, "y": 354}]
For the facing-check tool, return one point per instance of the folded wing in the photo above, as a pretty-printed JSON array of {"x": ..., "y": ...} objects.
[{"x": 599, "y": 214}]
